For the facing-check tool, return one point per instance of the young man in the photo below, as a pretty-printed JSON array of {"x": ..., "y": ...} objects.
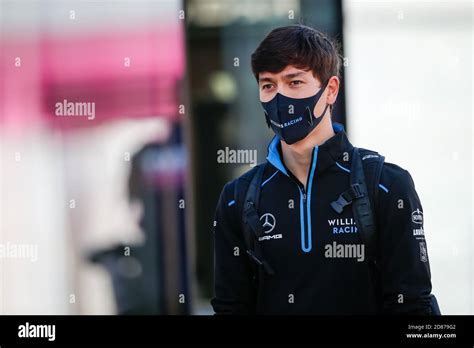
[{"x": 309, "y": 256}]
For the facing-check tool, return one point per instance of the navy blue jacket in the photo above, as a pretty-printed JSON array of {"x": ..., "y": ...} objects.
[{"x": 317, "y": 254}]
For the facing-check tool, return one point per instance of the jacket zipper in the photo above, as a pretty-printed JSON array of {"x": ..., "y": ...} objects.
[
  {"x": 305, "y": 232},
  {"x": 307, "y": 199},
  {"x": 305, "y": 209}
]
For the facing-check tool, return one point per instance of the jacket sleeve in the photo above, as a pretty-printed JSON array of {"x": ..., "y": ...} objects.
[
  {"x": 406, "y": 277},
  {"x": 233, "y": 289}
]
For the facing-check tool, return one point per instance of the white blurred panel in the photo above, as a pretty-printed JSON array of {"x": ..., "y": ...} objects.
[{"x": 409, "y": 93}]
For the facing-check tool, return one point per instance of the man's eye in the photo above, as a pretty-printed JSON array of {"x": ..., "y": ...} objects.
[
  {"x": 296, "y": 82},
  {"x": 266, "y": 86}
]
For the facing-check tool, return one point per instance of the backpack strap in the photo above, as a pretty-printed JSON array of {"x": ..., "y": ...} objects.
[
  {"x": 362, "y": 194},
  {"x": 252, "y": 227},
  {"x": 363, "y": 207},
  {"x": 372, "y": 176},
  {"x": 364, "y": 212}
]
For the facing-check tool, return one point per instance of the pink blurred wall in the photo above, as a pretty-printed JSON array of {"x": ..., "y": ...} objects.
[{"x": 91, "y": 69}]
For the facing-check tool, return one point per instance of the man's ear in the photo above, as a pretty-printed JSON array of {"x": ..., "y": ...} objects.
[{"x": 332, "y": 90}]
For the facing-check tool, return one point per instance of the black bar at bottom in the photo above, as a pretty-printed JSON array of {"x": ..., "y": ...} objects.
[{"x": 291, "y": 330}]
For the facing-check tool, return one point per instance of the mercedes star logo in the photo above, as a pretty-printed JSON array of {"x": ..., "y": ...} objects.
[{"x": 269, "y": 222}]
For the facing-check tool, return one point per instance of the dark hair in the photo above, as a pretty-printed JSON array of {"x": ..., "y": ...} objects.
[{"x": 301, "y": 46}]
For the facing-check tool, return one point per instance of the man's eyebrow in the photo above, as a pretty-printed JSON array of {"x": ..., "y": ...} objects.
[
  {"x": 292, "y": 75},
  {"x": 265, "y": 79},
  {"x": 285, "y": 77}
]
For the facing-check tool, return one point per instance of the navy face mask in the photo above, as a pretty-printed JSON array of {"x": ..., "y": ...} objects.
[{"x": 292, "y": 119}]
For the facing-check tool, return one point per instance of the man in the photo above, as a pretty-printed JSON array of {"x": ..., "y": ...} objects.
[{"x": 311, "y": 256}]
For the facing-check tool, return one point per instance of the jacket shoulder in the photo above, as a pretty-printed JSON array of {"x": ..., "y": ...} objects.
[
  {"x": 245, "y": 178},
  {"x": 391, "y": 172},
  {"x": 238, "y": 186}
]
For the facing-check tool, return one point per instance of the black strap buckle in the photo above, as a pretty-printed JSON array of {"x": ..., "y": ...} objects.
[{"x": 354, "y": 192}]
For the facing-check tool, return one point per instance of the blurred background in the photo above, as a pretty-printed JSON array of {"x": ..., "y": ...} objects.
[{"x": 112, "y": 114}]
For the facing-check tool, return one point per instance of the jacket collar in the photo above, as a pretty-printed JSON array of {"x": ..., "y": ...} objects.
[{"x": 331, "y": 151}]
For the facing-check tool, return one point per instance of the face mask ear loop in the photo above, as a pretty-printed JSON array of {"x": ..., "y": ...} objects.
[
  {"x": 327, "y": 105},
  {"x": 324, "y": 112},
  {"x": 308, "y": 113}
]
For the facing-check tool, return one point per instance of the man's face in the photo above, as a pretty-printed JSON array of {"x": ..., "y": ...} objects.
[{"x": 291, "y": 82}]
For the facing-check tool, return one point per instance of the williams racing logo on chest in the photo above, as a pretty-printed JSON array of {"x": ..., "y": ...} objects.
[{"x": 342, "y": 226}]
